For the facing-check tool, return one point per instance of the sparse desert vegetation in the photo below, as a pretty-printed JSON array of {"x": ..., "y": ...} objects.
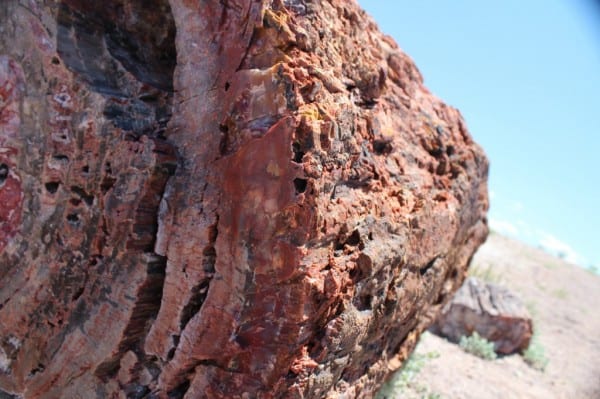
[
  {"x": 478, "y": 346},
  {"x": 535, "y": 354},
  {"x": 562, "y": 358},
  {"x": 405, "y": 381},
  {"x": 486, "y": 272}
]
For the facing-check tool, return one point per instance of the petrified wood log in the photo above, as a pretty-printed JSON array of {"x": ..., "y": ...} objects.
[
  {"x": 490, "y": 310},
  {"x": 221, "y": 199}
]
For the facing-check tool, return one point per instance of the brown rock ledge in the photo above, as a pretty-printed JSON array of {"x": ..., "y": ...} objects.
[{"x": 220, "y": 199}]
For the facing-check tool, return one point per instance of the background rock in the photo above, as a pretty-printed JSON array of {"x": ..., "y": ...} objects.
[
  {"x": 225, "y": 199},
  {"x": 490, "y": 310},
  {"x": 561, "y": 297}
]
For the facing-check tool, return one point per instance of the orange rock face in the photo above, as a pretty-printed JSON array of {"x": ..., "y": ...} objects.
[{"x": 221, "y": 199}]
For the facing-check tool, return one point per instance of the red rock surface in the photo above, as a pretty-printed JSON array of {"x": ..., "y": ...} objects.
[{"x": 221, "y": 199}]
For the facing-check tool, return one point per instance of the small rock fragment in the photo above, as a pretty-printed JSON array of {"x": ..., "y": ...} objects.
[{"x": 492, "y": 311}]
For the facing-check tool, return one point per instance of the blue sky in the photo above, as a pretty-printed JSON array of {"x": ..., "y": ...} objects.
[{"x": 526, "y": 77}]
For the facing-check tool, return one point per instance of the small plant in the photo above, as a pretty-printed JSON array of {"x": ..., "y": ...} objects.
[
  {"x": 535, "y": 355},
  {"x": 551, "y": 266},
  {"x": 560, "y": 293},
  {"x": 478, "y": 346},
  {"x": 403, "y": 380},
  {"x": 485, "y": 273},
  {"x": 532, "y": 308},
  {"x": 541, "y": 286}
]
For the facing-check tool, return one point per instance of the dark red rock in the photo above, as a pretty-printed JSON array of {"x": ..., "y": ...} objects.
[
  {"x": 11, "y": 192},
  {"x": 221, "y": 199},
  {"x": 492, "y": 311}
]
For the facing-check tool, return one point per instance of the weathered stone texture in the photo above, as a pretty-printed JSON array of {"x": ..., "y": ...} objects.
[
  {"x": 492, "y": 311},
  {"x": 220, "y": 199}
]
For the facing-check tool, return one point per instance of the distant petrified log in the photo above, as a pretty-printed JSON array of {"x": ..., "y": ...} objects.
[
  {"x": 221, "y": 199},
  {"x": 492, "y": 311}
]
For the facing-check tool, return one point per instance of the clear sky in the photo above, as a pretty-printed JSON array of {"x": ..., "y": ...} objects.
[{"x": 526, "y": 77}]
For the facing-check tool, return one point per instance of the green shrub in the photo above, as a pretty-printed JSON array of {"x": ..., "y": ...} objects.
[
  {"x": 535, "y": 355},
  {"x": 560, "y": 293},
  {"x": 486, "y": 273},
  {"x": 478, "y": 346},
  {"x": 532, "y": 308},
  {"x": 403, "y": 381}
]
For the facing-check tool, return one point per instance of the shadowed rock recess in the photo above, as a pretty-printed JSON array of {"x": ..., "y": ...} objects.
[{"x": 221, "y": 199}]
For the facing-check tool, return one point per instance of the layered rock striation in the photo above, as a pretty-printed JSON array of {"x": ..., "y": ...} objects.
[{"x": 221, "y": 199}]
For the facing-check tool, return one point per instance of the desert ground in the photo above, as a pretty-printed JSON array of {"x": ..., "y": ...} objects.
[{"x": 564, "y": 301}]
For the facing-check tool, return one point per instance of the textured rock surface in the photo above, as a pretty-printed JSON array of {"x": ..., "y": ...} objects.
[
  {"x": 492, "y": 311},
  {"x": 221, "y": 199}
]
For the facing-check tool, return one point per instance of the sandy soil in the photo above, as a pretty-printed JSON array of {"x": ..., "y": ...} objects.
[{"x": 565, "y": 304}]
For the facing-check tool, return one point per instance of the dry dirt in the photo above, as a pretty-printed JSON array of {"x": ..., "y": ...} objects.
[{"x": 565, "y": 304}]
